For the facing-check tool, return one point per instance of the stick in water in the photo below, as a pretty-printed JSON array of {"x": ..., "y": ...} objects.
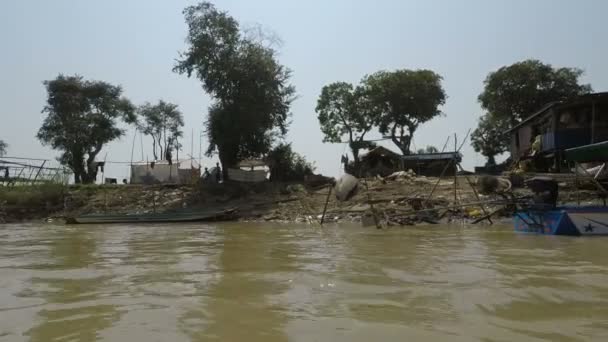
[{"x": 326, "y": 203}]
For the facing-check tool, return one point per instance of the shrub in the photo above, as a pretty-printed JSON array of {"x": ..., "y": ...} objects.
[{"x": 287, "y": 165}]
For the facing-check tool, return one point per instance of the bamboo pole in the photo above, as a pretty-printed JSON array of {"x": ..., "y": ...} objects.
[
  {"x": 38, "y": 173},
  {"x": 371, "y": 205},
  {"x": 446, "y": 168},
  {"x": 578, "y": 197},
  {"x": 455, "y": 169},
  {"x": 489, "y": 217},
  {"x": 326, "y": 203}
]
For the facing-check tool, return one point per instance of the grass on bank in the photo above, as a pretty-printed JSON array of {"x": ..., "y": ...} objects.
[{"x": 32, "y": 196}]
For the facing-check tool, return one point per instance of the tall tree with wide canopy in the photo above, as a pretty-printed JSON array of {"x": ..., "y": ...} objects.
[
  {"x": 490, "y": 138},
  {"x": 344, "y": 110},
  {"x": 83, "y": 116},
  {"x": 516, "y": 91},
  {"x": 406, "y": 99},
  {"x": 250, "y": 89},
  {"x": 163, "y": 122}
]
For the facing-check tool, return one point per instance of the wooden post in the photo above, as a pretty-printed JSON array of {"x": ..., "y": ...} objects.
[
  {"x": 578, "y": 198},
  {"x": 445, "y": 168},
  {"x": 371, "y": 206},
  {"x": 592, "y": 122},
  {"x": 326, "y": 203},
  {"x": 486, "y": 215},
  {"x": 133, "y": 146},
  {"x": 455, "y": 170},
  {"x": 38, "y": 173}
]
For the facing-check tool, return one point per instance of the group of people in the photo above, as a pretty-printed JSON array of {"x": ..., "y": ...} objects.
[{"x": 215, "y": 174}]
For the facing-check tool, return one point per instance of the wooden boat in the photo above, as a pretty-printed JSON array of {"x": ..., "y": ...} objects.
[
  {"x": 545, "y": 217},
  {"x": 575, "y": 221},
  {"x": 166, "y": 217}
]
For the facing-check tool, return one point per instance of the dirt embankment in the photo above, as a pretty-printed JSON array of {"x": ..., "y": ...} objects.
[{"x": 401, "y": 201}]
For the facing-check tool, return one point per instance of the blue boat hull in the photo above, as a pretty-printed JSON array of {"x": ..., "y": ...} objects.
[{"x": 573, "y": 221}]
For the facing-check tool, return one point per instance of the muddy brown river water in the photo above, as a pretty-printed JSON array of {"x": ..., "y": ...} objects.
[{"x": 268, "y": 282}]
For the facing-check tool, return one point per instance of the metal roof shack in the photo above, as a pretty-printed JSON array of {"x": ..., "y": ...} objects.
[
  {"x": 382, "y": 161},
  {"x": 432, "y": 164},
  {"x": 558, "y": 126},
  {"x": 379, "y": 161}
]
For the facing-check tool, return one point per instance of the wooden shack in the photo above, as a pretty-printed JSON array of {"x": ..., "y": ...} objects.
[
  {"x": 558, "y": 126},
  {"x": 382, "y": 161},
  {"x": 432, "y": 164}
]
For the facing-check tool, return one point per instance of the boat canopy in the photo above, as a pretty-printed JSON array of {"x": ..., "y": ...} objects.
[{"x": 597, "y": 152}]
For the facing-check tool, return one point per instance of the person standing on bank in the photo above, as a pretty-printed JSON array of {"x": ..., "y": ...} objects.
[{"x": 218, "y": 172}]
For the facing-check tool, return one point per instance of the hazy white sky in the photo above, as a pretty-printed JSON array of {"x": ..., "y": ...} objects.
[{"x": 134, "y": 44}]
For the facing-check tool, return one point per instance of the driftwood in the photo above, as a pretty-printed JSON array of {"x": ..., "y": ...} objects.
[{"x": 487, "y": 216}]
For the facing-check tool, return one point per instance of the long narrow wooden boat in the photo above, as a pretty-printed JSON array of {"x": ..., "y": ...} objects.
[
  {"x": 575, "y": 221},
  {"x": 166, "y": 217},
  {"x": 568, "y": 220}
]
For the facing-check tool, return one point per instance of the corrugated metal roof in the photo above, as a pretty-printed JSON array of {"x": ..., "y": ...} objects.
[
  {"x": 433, "y": 156},
  {"x": 574, "y": 101},
  {"x": 382, "y": 151},
  {"x": 534, "y": 116}
]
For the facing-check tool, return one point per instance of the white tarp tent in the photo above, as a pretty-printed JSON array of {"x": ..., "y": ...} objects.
[
  {"x": 255, "y": 176},
  {"x": 184, "y": 171}
]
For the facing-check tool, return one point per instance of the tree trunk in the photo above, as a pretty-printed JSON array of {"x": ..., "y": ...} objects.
[
  {"x": 165, "y": 138},
  {"x": 160, "y": 147},
  {"x": 227, "y": 160},
  {"x": 154, "y": 147},
  {"x": 491, "y": 161},
  {"x": 403, "y": 143},
  {"x": 76, "y": 165},
  {"x": 91, "y": 174},
  {"x": 223, "y": 163},
  {"x": 77, "y": 178},
  {"x": 356, "y": 161}
]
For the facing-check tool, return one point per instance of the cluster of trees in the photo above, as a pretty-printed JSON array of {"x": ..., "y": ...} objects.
[
  {"x": 251, "y": 97},
  {"x": 251, "y": 94},
  {"x": 512, "y": 93},
  {"x": 395, "y": 103},
  {"x": 83, "y": 116}
]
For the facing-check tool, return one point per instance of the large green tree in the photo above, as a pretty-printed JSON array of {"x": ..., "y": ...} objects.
[
  {"x": 346, "y": 111},
  {"x": 490, "y": 138},
  {"x": 516, "y": 91},
  {"x": 163, "y": 122},
  {"x": 3, "y": 147},
  {"x": 406, "y": 99},
  {"x": 83, "y": 116},
  {"x": 250, "y": 89}
]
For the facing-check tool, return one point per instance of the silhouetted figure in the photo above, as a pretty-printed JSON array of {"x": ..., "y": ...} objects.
[{"x": 218, "y": 172}]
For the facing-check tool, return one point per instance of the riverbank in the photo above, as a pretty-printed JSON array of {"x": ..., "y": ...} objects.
[{"x": 403, "y": 200}]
